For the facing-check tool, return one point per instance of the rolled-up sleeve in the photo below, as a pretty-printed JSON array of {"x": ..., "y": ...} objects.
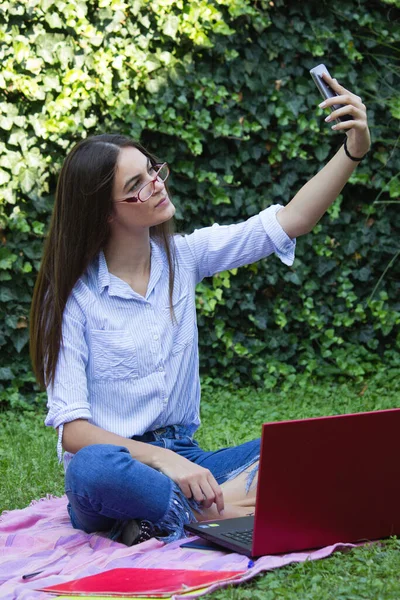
[
  {"x": 68, "y": 396},
  {"x": 214, "y": 249}
]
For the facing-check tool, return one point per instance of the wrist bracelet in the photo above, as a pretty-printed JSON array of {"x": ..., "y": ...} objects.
[{"x": 348, "y": 153}]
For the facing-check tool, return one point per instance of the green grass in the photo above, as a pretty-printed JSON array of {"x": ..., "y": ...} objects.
[{"x": 29, "y": 470}]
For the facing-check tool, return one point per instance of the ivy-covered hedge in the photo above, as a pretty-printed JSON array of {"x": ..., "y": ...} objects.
[{"x": 221, "y": 90}]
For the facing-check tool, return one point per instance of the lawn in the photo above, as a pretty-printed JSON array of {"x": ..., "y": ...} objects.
[{"x": 29, "y": 469}]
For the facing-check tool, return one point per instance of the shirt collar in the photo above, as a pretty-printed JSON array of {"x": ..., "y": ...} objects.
[
  {"x": 120, "y": 288},
  {"x": 103, "y": 275}
]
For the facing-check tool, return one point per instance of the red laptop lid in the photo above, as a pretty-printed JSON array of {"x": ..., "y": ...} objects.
[{"x": 327, "y": 480}]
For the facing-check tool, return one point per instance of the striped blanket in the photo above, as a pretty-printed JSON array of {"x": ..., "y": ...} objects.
[{"x": 40, "y": 539}]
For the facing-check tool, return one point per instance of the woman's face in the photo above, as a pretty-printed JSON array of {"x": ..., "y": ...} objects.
[{"x": 134, "y": 170}]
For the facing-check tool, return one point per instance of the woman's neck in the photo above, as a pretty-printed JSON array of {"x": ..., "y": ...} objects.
[{"x": 128, "y": 257}]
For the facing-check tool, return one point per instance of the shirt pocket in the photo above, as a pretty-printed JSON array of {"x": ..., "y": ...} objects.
[
  {"x": 183, "y": 326},
  {"x": 114, "y": 355}
]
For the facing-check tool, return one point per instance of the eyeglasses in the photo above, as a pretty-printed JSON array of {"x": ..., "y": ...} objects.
[{"x": 161, "y": 173}]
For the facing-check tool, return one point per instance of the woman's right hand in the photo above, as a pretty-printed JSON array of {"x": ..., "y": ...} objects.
[{"x": 194, "y": 481}]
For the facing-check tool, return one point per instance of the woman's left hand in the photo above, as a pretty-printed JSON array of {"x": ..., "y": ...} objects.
[{"x": 358, "y": 137}]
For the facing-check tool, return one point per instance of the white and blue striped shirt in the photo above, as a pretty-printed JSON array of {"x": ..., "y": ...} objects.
[{"x": 125, "y": 366}]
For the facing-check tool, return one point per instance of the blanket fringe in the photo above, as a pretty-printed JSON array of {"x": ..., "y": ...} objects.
[
  {"x": 5, "y": 513},
  {"x": 179, "y": 513},
  {"x": 47, "y": 497}
]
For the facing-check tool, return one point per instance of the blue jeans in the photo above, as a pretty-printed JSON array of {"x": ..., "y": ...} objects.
[{"x": 106, "y": 487}]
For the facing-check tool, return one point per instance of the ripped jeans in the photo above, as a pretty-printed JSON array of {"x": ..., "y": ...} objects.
[{"x": 106, "y": 487}]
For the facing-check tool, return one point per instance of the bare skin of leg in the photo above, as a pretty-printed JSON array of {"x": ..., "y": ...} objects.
[{"x": 237, "y": 502}]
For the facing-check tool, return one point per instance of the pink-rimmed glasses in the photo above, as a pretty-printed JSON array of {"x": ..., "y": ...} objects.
[{"x": 161, "y": 173}]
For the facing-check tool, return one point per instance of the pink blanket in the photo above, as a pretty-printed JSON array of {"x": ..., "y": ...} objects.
[{"x": 41, "y": 538}]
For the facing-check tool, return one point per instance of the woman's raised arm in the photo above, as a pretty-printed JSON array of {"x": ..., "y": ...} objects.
[{"x": 302, "y": 213}]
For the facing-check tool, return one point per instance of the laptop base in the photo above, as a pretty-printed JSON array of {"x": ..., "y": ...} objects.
[{"x": 220, "y": 533}]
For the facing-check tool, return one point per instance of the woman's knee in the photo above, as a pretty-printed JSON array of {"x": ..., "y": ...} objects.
[{"x": 95, "y": 463}]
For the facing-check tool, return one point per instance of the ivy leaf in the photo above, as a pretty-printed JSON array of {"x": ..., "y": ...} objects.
[
  {"x": 260, "y": 321},
  {"x": 54, "y": 20},
  {"x": 6, "y": 122},
  {"x": 322, "y": 151},
  {"x": 295, "y": 104},
  {"x": 11, "y": 321},
  {"x": 20, "y": 339},
  {"x": 219, "y": 196},
  {"x": 6, "y": 294},
  {"x": 363, "y": 274},
  {"x": 394, "y": 187},
  {"x": 27, "y": 179},
  {"x": 171, "y": 25},
  {"x": 293, "y": 277},
  {"x": 6, "y": 374},
  {"x": 7, "y": 258}
]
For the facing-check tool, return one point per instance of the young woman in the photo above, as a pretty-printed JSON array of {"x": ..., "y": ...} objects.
[{"x": 114, "y": 335}]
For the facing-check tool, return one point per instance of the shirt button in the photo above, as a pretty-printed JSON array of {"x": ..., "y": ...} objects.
[
  {"x": 155, "y": 337},
  {"x": 161, "y": 369}
]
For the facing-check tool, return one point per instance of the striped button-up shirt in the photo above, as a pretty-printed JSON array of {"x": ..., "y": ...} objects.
[{"x": 125, "y": 365}]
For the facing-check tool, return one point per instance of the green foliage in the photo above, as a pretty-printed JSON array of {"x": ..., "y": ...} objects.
[{"x": 220, "y": 89}]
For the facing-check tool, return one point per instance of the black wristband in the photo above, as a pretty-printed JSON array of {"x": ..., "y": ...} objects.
[{"x": 348, "y": 153}]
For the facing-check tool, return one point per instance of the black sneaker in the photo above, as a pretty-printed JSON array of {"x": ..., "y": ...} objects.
[{"x": 136, "y": 532}]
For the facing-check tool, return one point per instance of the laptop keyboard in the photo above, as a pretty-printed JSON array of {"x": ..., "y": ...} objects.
[{"x": 245, "y": 536}]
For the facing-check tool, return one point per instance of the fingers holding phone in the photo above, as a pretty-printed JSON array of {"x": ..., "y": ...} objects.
[
  {"x": 345, "y": 104},
  {"x": 347, "y": 109}
]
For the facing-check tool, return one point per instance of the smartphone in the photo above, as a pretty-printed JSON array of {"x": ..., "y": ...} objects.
[
  {"x": 202, "y": 544},
  {"x": 326, "y": 90}
]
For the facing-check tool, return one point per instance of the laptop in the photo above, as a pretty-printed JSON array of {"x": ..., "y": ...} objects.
[{"x": 321, "y": 481}]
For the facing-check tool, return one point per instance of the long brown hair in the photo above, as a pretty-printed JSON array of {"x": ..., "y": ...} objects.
[{"x": 79, "y": 229}]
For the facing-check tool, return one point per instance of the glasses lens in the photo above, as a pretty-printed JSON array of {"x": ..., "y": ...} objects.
[
  {"x": 163, "y": 173},
  {"x": 146, "y": 192}
]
